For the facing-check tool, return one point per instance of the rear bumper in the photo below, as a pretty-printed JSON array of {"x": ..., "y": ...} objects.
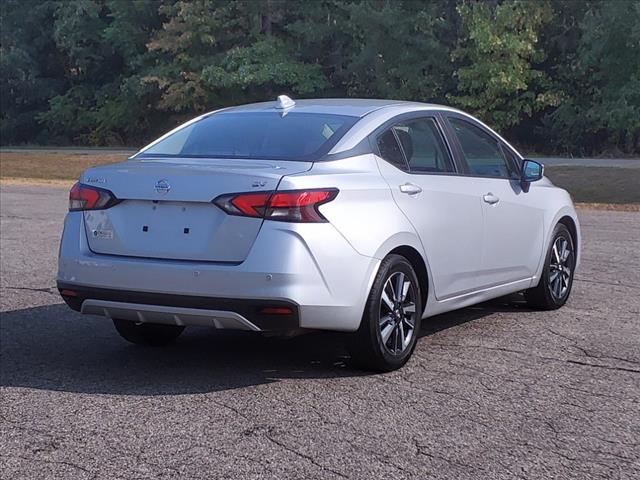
[
  {"x": 307, "y": 267},
  {"x": 225, "y": 313}
]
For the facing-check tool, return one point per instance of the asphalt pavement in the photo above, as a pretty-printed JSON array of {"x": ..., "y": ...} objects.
[{"x": 492, "y": 392}]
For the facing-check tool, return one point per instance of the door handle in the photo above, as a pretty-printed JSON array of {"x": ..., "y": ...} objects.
[
  {"x": 490, "y": 198},
  {"x": 410, "y": 189}
]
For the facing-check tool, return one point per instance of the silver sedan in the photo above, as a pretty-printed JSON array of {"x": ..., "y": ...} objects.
[{"x": 359, "y": 216}]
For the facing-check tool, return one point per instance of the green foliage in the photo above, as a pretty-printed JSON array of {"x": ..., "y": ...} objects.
[
  {"x": 219, "y": 53},
  {"x": 264, "y": 67},
  {"x": 498, "y": 79},
  {"x": 31, "y": 69},
  {"x": 602, "y": 82},
  {"x": 397, "y": 50},
  {"x": 558, "y": 73},
  {"x": 104, "y": 44}
]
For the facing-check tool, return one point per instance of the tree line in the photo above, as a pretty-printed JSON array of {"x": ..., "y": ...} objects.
[{"x": 557, "y": 76}]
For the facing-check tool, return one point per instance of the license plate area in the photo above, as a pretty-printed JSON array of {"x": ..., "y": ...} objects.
[
  {"x": 183, "y": 222},
  {"x": 169, "y": 230}
]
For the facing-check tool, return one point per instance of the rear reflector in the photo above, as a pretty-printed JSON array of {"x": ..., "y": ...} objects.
[
  {"x": 68, "y": 293},
  {"x": 287, "y": 206},
  {"x": 276, "y": 311},
  {"x": 86, "y": 197}
]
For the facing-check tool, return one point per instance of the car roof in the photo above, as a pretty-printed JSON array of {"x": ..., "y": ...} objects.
[{"x": 355, "y": 107}]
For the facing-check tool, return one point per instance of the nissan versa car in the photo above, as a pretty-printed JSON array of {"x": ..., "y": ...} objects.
[{"x": 357, "y": 216}]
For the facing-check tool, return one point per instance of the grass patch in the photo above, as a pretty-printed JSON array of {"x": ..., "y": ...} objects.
[
  {"x": 598, "y": 184},
  {"x": 611, "y": 207},
  {"x": 52, "y": 166}
]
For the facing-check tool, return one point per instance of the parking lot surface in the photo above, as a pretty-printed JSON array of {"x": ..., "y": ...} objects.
[{"x": 492, "y": 392}]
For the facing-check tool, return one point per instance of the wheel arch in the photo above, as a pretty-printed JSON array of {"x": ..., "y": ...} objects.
[
  {"x": 419, "y": 266},
  {"x": 568, "y": 222},
  {"x": 566, "y": 216},
  {"x": 408, "y": 245}
]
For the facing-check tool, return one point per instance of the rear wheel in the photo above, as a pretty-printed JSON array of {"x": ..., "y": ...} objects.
[
  {"x": 389, "y": 329},
  {"x": 556, "y": 280},
  {"x": 152, "y": 334}
]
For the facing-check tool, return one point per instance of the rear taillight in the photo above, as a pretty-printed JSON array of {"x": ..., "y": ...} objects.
[
  {"x": 85, "y": 197},
  {"x": 287, "y": 206}
]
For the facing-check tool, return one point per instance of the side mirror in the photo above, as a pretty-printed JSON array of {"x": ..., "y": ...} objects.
[{"x": 531, "y": 172}]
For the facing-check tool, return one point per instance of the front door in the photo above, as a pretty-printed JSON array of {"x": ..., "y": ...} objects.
[{"x": 513, "y": 225}]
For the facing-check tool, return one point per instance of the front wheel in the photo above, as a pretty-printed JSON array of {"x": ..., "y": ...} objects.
[
  {"x": 389, "y": 329},
  {"x": 556, "y": 280},
  {"x": 151, "y": 334}
]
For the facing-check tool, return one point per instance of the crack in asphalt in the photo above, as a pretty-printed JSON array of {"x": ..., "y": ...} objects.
[
  {"x": 53, "y": 462},
  {"x": 614, "y": 284},
  {"x": 541, "y": 357},
  {"x": 268, "y": 435},
  {"x": 574, "y": 344},
  {"x": 422, "y": 450},
  {"x": 595, "y": 365},
  {"x": 266, "y": 431},
  {"x": 51, "y": 290},
  {"x": 595, "y": 394},
  {"x": 18, "y": 217}
]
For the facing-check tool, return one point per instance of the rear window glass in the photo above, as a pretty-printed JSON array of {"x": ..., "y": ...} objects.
[{"x": 256, "y": 135}]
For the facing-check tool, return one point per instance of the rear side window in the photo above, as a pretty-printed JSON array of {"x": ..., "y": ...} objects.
[
  {"x": 481, "y": 151},
  {"x": 256, "y": 135},
  {"x": 423, "y": 146},
  {"x": 390, "y": 149}
]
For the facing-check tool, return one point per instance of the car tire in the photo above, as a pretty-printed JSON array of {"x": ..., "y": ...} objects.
[
  {"x": 390, "y": 324},
  {"x": 150, "y": 334},
  {"x": 556, "y": 278}
]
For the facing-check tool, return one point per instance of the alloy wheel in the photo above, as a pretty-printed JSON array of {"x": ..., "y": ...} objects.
[
  {"x": 397, "y": 313},
  {"x": 560, "y": 268}
]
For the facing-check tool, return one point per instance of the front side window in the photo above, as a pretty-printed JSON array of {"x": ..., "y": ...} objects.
[
  {"x": 482, "y": 152},
  {"x": 511, "y": 157},
  {"x": 256, "y": 135},
  {"x": 423, "y": 146}
]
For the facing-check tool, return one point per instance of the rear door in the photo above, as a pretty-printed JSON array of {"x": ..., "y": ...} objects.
[
  {"x": 513, "y": 224},
  {"x": 415, "y": 160}
]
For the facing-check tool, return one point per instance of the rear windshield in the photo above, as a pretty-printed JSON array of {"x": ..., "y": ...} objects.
[{"x": 255, "y": 135}]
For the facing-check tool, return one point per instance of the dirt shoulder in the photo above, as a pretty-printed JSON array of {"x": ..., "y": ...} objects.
[{"x": 52, "y": 166}]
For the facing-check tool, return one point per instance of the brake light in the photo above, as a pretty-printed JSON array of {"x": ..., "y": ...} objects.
[
  {"x": 287, "y": 206},
  {"x": 85, "y": 197}
]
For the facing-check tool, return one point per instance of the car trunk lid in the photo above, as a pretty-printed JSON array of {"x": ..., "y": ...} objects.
[{"x": 166, "y": 209}]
